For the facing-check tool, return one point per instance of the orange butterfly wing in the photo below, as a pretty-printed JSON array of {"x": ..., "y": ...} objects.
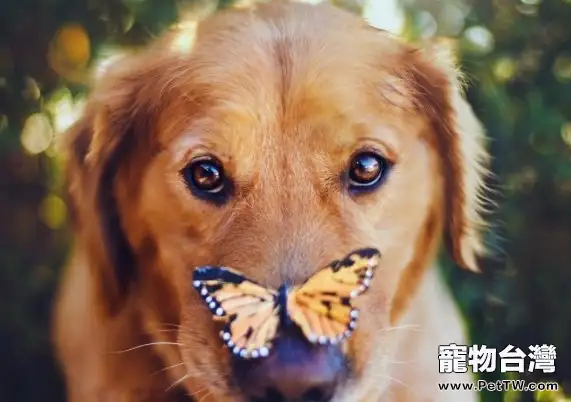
[
  {"x": 322, "y": 306},
  {"x": 250, "y": 311}
]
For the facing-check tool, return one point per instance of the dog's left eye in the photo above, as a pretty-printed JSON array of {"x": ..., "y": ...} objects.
[
  {"x": 206, "y": 178},
  {"x": 367, "y": 171}
]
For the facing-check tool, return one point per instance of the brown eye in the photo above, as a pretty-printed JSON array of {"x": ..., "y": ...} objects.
[
  {"x": 366, "y": 171},
  {"x": 206, "y": 179},
  {"x": 206, "y": 175}
]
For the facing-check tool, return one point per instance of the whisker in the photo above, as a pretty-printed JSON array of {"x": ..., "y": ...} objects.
[
  {"x": 167, "y": 368},
  {"x": 159, "y": 331},
  {"x": 199, "y": 391},
  {"x": 148, "y": 344},
  {"x": 205, "y": 396},
  {"x": 166, "y": 324},
  {"x": 402, "y": 362},
  {"x": 412, "y": 327},
  {"x": 395, "y": 380},
  {"x": 410, "y": 364},
  {"x": 179, "y": 381}
]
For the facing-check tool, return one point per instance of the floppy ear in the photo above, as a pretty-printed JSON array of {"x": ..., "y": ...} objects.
[
  {"x": 461, "y": 141},
  {"x": 114, "y": 122}
]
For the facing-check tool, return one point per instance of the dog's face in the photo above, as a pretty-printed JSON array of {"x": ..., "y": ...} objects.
[{"x": 284, "y": 139}]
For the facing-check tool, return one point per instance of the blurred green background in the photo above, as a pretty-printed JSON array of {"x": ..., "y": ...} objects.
[{"x": 517, "y": 57}]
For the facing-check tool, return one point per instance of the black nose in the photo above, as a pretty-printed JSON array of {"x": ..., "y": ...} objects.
[{"x": 295, "y": 370}]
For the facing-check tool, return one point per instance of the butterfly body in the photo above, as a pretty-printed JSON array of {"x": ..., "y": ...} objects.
[
  {"x": 253, "y": 314},
  {"x": 281, "y": 301}
]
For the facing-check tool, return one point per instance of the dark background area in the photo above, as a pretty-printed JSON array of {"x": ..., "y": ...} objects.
[{"x": 517, "y": 58}]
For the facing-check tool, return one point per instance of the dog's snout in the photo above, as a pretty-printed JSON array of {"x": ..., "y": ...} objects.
[{"x": 294, "y": 371}]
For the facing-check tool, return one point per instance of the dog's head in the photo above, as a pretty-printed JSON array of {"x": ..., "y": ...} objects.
[{"x": 285, "y": 138}]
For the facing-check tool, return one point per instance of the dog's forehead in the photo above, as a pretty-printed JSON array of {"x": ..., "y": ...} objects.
[
  {"x": 329, "y": 110},
  {"x": 264, "y": 89}
]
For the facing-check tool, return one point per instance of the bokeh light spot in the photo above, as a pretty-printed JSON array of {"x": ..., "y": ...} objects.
[
  {"x": 184, "y": 38},
  {"x": 427, "y": 24},
  {"x": 566, "y": 133},
  {"x": 37, "y": 134},
  {"x": 562, "y": 68},
  {"x": 542, "y": 143},
  {"x": 453, "y": 18},
  {"x": 73, "y": 41},
  {"x": 551, "y": 396},
  {"x": 107, "y": 56},
  {"x": 244, "y": 3},
  {"x": 70, "y": 51},
  {"x": 386, "y": 14},
  {"x": 480, "y": 38},
  {"x": 52, "y": 211},
  {"x": 64, "y": 109},
  {"x": 31, "y": 90},
  {"x": 504, "y": 69},
  {"x": 527, "y": 9}
]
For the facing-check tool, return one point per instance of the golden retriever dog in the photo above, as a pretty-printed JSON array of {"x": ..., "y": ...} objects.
[{"x": 285, "y": 137}]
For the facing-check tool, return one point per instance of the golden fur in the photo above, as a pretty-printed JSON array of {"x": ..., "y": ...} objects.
[{"x": 283, "y": 94}]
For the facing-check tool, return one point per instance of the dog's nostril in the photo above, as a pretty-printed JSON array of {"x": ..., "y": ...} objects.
[{"x": 316, "y": 394}]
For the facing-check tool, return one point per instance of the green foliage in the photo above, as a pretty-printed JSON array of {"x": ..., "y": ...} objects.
[{"x": 517, "y": 56}]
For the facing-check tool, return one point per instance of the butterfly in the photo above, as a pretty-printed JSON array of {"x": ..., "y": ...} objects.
[{"x": 321, "y": 307}]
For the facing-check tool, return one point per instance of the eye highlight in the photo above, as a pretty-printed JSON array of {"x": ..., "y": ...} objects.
[
  {"x": 206, "y": 179},
  {"x": 366, "y": 171}
]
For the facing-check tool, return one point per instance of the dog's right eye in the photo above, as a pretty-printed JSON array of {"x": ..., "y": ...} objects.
[
  {"x": 367, "y": 171},
  {"x": 206, "y": 179}
]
